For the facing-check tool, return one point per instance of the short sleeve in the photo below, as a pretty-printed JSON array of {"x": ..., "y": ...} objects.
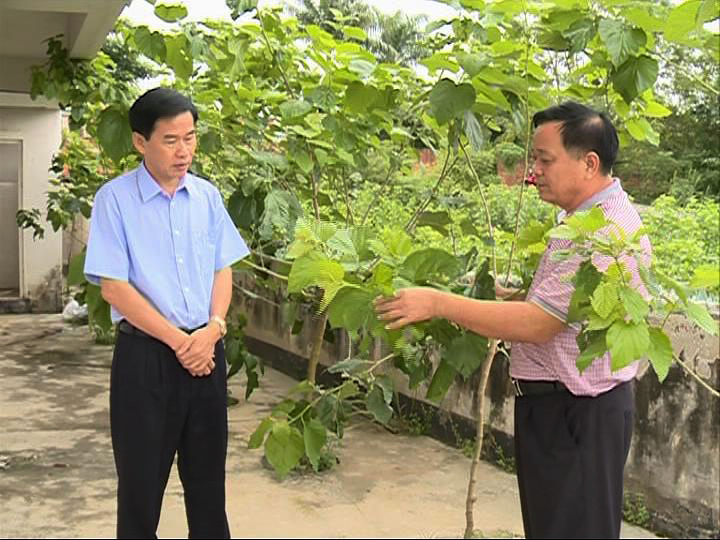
[
  {"x": 107, "y": 253},
  {"x": 230, "y": 246}
]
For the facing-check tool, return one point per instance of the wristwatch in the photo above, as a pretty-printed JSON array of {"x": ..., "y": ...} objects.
[{"x": 221, "y": 323}]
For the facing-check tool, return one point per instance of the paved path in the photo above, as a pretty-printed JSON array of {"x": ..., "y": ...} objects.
[{"x": 57, "y": 476}]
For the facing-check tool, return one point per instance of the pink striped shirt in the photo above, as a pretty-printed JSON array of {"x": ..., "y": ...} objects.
[{"x": 551, "y": 290}]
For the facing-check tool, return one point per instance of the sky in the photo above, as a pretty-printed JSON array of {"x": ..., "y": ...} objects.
[{"x": 141, "y": 12}]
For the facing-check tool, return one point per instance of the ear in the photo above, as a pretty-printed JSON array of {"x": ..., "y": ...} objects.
[
  {"x": 592, "y": 164},
  {"x": 139, "y": 142}
]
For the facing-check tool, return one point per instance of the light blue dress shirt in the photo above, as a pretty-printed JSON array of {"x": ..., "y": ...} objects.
[{"x": 168, "y": 248}]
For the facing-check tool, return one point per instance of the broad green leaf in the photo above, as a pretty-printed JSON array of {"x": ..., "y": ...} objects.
[
  {"x": 449, "y": 100},
  {"x": 636, "y": 75},
  {"x": 258, "y": 436},
  {"x": 700, "y": 315},
  {"x": 621, "y": 41},
  {"x": 238, "y": 7},
  {"x": 348, "y": 390},
  {"x": 341, "y": 245},
  {"x": 586, "y": 280},
  {"x": 210, "y": 142},
  {"x": 472, "y": 63},
  {"x": 295, "y": 108},
  {"x": 440, "y": 60},
  {"x": 351, "y": 366},
  {"x": 377, "y": 406},
  {"x": 641, "y": 18},
  {"x": 314, "y": 269},
  {"x": 98, "y": 309},
  {"x": 680, "y": 290},
  {"x": 284, "y": 447},
  {"x": 589, "y": 221},
  {"x": 387, "y": 386},
  {"x": 580, "y": 33},
  {"x": 354, "y": 32},
  {"x": 605, "y": 299},
  {"x": 315, "y": 436},
  {"x": 178, "y": 55},
  {"x": 660, "y": 352},
  {"x": 436, "y": 220},
  {"x": 595, "y": 322},
  {"x": 635, "y": 305},
  {"x": 681, "y": 22},
  {"x": 359, "y": 97},
  {"x": 321, "y": 36},
  {"x": 170, "y": 12},
  {"x": 362, "y": 67},
  {"x": 656, "y": 110},
  {"x": 441, "y": 381},
  {"x": 114, "y": 133},
  {"x": 76, "y": 272},
  {"x": 706, "y": 276},
  {"x": 398, "y": 242},
  {"x": 627, "y": 342},
  {"x": 151, "y": 44},
  {"x": 351, "y": 309},
  {"x": 473, "y": 130},
  {"x": 467, "y": 353},
  {"x": 430, "y": 264},
  {"x": 304, "y": 160},
  {"x": 595, "y": 348}
]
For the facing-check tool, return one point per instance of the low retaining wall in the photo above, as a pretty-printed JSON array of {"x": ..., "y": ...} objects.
[{"x": 674, "y": 461}]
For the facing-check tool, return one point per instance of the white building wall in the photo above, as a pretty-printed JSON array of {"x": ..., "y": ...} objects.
[{"x": 39, "y": 129}]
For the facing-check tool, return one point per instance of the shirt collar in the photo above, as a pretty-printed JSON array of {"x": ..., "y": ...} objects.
[
  {"x": 149, "y": 188},
  {"x": 596, "y": 199}
]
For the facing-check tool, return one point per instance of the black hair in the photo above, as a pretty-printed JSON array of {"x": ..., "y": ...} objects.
[
  {"x": 156, "y": 104},
  {"x": 583, "y": 130}
]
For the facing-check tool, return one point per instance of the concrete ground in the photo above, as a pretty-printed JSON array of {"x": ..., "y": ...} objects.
[{"x": 57, "y": 476}]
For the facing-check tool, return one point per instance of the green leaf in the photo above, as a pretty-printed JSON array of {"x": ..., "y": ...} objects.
[
  {"x": 441, "y": 381},
  {"x": 589, "y": 221},
  {"x": 362, "y": 67},
  {"x": 76, "y": 269},
  {"x": 473, "y": 130},
  {"x": 284, "y": 447},
  {"x": 660, "y": 353},
  {"x": 621, "y": 41},
  {"x": 258, "y": 436},
  {"x": 114, "y": 133},
  {"x": 681, "y": 22},
  {"x": 605, "y": 299},
  {"x": 680, "y": 290},
  {"x": 377, "y": 406},
  {"x": 151, "y": 44},
  {"x": 595, "y": 348},
  {"x": 656, "y": 110},
  {"x": 294, "y": 108},
  {"x": 467, "y": 353},
  {"x": 635, "y": 76},
  {"x": 700, "y": 315},
  {"x": 436, "y": 220},
  {"x": 627, "y": 342},
  {"x": 472, "y": 63},
  {"x": 179, "y": 57},
  {"x": 354, "y": 32},
  {"x": 351, "y": 309},
  {"x": 449, "y": 100},
  {"x": 314, "y": 269},
  {"x": 706, "y": 276},
  {"x": 634, "y": 303},
  {"x": 430, "y": 264},
  {"x": 314, "y": 436},
  {"x": 170, "y": 12},
  {"x": 360, "y": 97},
  {"x": 580, "y": 33},
  {"x": 238, "y": 7},
  {"x": 348, "y": 390},
  {"x": 98, "y": 309},
  {"x": 304, "y": 161}
]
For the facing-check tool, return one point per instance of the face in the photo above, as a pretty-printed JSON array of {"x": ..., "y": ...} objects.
[
  {"x": 169, "y": 152},
  {"x": 561, "y": 176}
]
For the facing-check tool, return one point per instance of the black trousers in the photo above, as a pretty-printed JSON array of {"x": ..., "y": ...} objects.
[
  {"x": 570, "y": 454},
  {"x": 157, "y": 409}
]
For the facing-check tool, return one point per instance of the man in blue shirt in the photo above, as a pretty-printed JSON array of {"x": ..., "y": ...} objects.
[{"x": 161, "y": 244}]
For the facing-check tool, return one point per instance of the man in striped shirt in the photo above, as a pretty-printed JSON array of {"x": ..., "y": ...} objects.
[{"x": 572, "y": 430}]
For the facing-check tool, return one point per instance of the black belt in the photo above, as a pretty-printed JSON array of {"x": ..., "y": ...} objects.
[
  {"x": 127, "y": 328},
  {"x": 537, "y": 388}
]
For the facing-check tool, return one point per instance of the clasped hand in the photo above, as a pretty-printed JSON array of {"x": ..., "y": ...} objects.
[{"x": 196, "y": 352}]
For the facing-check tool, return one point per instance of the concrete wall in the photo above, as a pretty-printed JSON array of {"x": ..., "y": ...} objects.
[
  {"x": 38, "y": 130},
  {"x": 674, "y": 461}
]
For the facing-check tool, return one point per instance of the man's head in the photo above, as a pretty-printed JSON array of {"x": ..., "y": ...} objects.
[
  {"x": 574, "y": 149},
  {"x": 163, "y": 125}
]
